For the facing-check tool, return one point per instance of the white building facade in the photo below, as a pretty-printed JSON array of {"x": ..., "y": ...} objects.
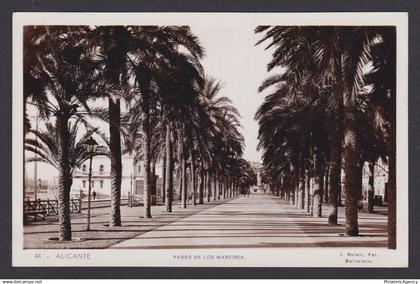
[
  {"x": 380, "y": 178},
  {"x": 131, "y": 181}
]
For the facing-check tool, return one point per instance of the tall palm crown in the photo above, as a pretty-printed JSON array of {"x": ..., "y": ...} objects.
[
  {"x": 56, "y": 64},
  {"x": 45, "y": 145}
]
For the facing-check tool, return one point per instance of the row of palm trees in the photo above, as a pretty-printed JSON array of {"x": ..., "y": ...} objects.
[
  {"x": 148, "y": 84},
  {"x": 331, "y": 110}
]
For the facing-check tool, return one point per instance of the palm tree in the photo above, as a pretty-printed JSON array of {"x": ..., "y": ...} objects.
[
  {"x": 373, "y": 146},
  {"x": 63, "y": 72},
  {"x": 382, "y": 77},
  {"x": 111, "y": 46},
  {"x": 342, "y": 52},
  {"x": 45, "y": 145}
]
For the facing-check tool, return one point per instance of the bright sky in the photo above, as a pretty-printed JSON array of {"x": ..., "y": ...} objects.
[{"x": 233, "y": 58}]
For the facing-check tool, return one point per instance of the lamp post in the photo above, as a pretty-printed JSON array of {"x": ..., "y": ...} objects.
[{"x": 90, "y": 147}]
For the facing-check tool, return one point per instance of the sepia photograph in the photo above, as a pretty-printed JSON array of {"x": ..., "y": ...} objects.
[{"x": 187, "y": 139}]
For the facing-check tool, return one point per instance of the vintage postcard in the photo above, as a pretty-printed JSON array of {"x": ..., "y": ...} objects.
[{"x": 210, "y": 139}]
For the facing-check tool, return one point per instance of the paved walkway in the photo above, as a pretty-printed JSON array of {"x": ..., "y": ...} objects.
[{"x": 259, "y": 221}]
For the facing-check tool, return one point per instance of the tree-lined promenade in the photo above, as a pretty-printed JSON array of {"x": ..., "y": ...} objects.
[
  {"x": 332, "y": 110},
  {"x": 258, "y": 221},
  {"x": 161, "y": 106}
]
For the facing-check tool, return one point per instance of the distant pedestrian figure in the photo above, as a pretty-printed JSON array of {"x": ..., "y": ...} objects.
[
  {"x": 94, "y": 194},
  {"x": 248, "y": 192}
]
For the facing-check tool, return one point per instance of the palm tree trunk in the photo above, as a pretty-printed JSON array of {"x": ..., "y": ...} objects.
[
  {"x": 169, "y": 185},
  {"x": 184, "y": 181},
  {"x": 64, "y": 182},
  {"x": 227, "y": 189},
  {"x": 295, "y": 186},
  {"x": 335, "y": 166},
  {"x": 227, "y": 186},
  {"x": 307, "y": 189},
  {"x": 114, "y": 114},
  {"x": 204, "y": 186},
  {"x": 153, "y": 181},
  {"x": 371, "y": 187},
  {"x": 317, "y": 208},
  {"x": 164, "y": 119},
  {"x": 292, "y": 185},
  {"x": 201, "y": 188},
  {"x": 163, "y": 192},
  {"x": 282, "y": 188},
  {"x": 221, "y": 189},
  {"x": 392, "y": 197},
  {"x": 233, "y": 189},
  {"x": 214, "y": 188},
  {"x": 205, "y": 190},
  {"x": 301, "y": 186},
  {"x": 193, "y": 179},
  {"x": 146, "y": 156},
  {"x": 326, "y": 183},
  {"x": 208, "y": 187},
  {"x": 180, "y": 185},
  {"x": 352, "y": 169},
  {"x": 287, "y": 185},
  {"x": 219, "y": 186}
]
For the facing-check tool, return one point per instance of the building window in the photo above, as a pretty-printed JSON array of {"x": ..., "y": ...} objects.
[
  {"x": 101, "y": 183},
  {"x": 93, "y": 183},
  {"x": 84, "y": 184},
  {"x": 101, "y": 168},
  {"x": 139, "y": 168},
  {"x": 84, "y": 168}
]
